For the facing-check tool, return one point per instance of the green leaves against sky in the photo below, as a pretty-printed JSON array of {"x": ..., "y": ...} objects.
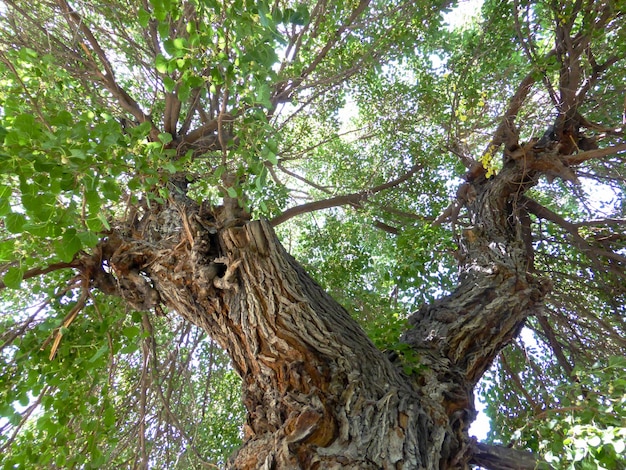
[{"x": 298, "y": 102}]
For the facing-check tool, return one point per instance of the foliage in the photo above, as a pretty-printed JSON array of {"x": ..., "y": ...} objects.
[
  {"x": 278, "y": 104},
  {"x": 580, "y": 424}
]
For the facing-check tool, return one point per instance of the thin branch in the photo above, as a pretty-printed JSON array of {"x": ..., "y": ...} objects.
[
  {"x": 57, "y": 334},
  {"x": 407, "y": 215},
  {"x": 555, "y": 345},
  {"x": 352, "y": 199},
  {"x": 78, "y": 22},
  {"x": 518, "y": 383},
  {"x": 596, "y": 223},
  {"x": 360, "y": 8},
  {"x": 10, "y": 335},
  {"x": 107, "y": 78},
  {"x": 48, "y": 269},
  {"x": 581, "y": 157},
  {"x": 302, "y": 178},
  {"x": 545, "y": 213},
  {"x": 330, "y": 138},
  {"x": 31, "y": 99},
  {"x": 24, "y": 419}
]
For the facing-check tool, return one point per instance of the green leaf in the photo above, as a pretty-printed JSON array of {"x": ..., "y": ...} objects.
[
  {"x": 24, "y": 122},
  {"x": 69, "y": 245},
  {"x": 298, "y": 17},
  {"x": 14, "y": 222},
  {"x": 161, "y": 63},
  {"x": 7, "y": 250},
  {"x": 184, "y": 91},
  {"x": 272, "y": 158},
  {"x": 165, "y": 138},
  {"x": 109, "y": 416},
  {"x": 104, "y": 221},
  {"x": 13, "y": 278},
  {"x": 143, "y": 17},
  {"x": 169, "y": 84},
  {"x": 131, "y": 332},
  {"x": 99, "y": 353}
]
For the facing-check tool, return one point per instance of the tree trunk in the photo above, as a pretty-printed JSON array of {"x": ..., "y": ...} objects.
[{"x": 318, "y": 393}]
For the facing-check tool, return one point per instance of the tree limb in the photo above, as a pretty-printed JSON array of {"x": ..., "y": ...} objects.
[
  {"x": 554, "y": 344},
  {"x": 581, "y": 157},
  {"x": 108, "y": 77},
  {"x": 515, "y": 104},
  {"x": 354, "y": 199},
  {"x": 494, "y": 457},
  {"x": 572, "y": 229},
  {"x": 48, "y": 269}
]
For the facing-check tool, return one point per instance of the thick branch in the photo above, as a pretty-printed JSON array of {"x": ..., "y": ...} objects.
[
  {"x": 494, "y": 457},
  {"x": 581, "y": 157},
  {"x": 515, "y": 104},
  {"x": 203, "y": 131}
]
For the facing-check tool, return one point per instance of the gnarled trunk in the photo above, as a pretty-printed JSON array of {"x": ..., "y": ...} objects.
[{"x": 318, "y": 393}]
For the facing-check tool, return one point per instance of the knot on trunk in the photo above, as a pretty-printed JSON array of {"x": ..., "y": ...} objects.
[{"x": 128, "y": 262}]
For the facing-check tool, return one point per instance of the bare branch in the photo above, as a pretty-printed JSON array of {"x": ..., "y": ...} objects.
[
  {"x": 352, "y": 199},
  {"x": 282, "y": 168},
  {"x": 494, "y": 457}
]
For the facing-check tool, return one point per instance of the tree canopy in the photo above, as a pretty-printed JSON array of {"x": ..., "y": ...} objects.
[{"x": 371, "y": 135}]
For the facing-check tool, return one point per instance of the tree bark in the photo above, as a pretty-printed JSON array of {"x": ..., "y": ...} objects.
[{"x": 318, "y": 393}]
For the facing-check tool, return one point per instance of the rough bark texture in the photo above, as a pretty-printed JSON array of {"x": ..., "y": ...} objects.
[{"x": 318, "y": 393}]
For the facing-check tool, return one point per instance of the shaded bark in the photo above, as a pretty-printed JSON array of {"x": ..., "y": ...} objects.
[
  {"x": 318, "y": 393},
  {"x": 494, "y": 457}
]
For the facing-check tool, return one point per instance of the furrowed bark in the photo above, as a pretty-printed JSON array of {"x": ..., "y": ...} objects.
[
  {"x": 458, "y": 336},
  {"x": 318, "y": 393}
]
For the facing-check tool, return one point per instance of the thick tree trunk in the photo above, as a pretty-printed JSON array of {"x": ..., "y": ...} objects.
[{"x": 317, "y": 392}]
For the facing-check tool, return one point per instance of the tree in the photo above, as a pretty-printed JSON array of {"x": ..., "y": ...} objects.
[{"x": 151, "y": 149}]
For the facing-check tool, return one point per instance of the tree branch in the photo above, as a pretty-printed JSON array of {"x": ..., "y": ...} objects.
[
  {"x": 360, "y": 8},
  {"x": 108, "y": 77},
  {"x": 353, "y": 199},
  {"x": 572, "y": 229},
  {"x": 515, "y": 104},
  {"x": 591, "y": 154},
  {"x": 494, "y": 457},
  {"x": 554, "y": 344},
  {"x": 48, "y": 269}
]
